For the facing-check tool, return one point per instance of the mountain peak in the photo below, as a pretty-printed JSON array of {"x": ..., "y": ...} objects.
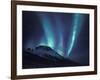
[{"x": 43, "y": 48}]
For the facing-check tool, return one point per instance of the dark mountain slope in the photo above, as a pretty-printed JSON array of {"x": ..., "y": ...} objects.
[{"x": 43, "y": 57}]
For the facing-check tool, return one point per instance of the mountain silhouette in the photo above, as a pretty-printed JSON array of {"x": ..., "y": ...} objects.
[{"x": 43, "y": 57}]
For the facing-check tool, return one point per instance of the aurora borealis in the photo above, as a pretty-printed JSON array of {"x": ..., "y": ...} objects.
[
  {"x": 78, "y": 20},
  {"x": 66, "y": 33}
]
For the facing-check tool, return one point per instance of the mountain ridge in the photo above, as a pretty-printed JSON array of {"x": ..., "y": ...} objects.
[{"x": 43, "y": 57}]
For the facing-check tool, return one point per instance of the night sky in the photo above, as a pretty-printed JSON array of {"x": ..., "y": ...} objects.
[{"x": 66, "y": 33}]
